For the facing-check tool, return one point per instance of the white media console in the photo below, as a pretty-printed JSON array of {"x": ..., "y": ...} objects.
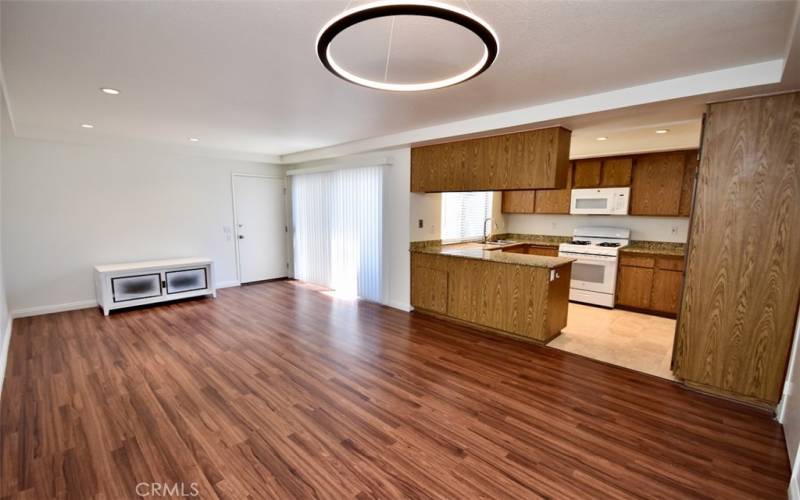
[{"x": 139, "y": 283}]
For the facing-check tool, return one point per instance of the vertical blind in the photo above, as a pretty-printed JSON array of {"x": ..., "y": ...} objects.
[
  {"x": 463, "y": 215},
  {"x": 338, "y": 230}
]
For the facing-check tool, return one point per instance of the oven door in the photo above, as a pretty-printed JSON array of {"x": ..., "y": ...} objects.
[{"x": 594, "y": 273}]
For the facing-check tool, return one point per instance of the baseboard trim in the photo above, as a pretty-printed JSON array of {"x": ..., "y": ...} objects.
[
  {"x": 4, "y": 351},
  {"x": 399, "y": 305},
  {"x": 228, "y": 284},
  {"x": 54, "y": 308}
]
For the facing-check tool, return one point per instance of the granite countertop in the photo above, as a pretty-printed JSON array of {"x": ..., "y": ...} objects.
[
  {"x": 493, "y": 253},
  {"x": 655, "y": 247}
]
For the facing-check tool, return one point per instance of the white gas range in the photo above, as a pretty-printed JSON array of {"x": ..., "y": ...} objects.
[{"x": 594, "y": 273}]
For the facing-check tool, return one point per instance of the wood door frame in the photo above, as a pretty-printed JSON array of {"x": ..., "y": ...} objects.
[{"x": 234, "y": 175}]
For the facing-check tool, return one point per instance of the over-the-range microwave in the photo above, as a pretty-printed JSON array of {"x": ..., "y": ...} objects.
[{"x": 602, "y": 201}]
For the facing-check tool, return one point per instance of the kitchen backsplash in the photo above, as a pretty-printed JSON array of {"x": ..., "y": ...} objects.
[{"x": 672, "y": 229}]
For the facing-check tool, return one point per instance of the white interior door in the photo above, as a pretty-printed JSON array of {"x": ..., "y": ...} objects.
[{"x": 260, "y": 233}]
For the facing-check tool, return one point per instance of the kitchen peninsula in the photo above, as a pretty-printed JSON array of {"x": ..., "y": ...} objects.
[{"x": 494, "y": 286}]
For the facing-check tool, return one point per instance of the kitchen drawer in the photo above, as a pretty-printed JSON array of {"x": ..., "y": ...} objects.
[
  {"x": 186, "y": 280},
  {"x": 636, "y": 260},
  {"x": 142, "y": 286},
  {"x": 670, "y": 263}
]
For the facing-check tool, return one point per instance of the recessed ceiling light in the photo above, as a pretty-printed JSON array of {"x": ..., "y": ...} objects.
[
  {"x": 604, "y": 138},
  {"x": 109, "y": 91},
  {"x": 393, "y": 8},
  {"x": 662, "y": 131},
  {"x": 87, "y": 125},
  {"x": 194, "y": 139}
]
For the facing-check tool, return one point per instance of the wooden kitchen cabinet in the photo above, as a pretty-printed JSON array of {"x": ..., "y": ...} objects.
[
  {"x": 587, "y": 174},
  {"x": 519, "y": 202},
  {"x": 554, "y": 201},
  {"x": 616, "y": 172},
  {"x": 524, "y": 160},
  {"x": 522, "y": 300},
  {"x": 533, "y": 249},
  {"x": 657, "y": 183},
  {"x": 545, "y": 251},
  {"x": 634, "y": 286},
  {"x": 687, "y": 188},
  {"x": 666, "y": 291},
  {"x": 540, "y": 201},
  {"x": 661, "y": 184},
  {"x": 650, "y": 282},
  {"x": 429, "y": 282}
]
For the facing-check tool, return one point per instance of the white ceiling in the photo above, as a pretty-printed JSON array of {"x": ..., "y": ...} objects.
[{"x": 243, "y": 76}]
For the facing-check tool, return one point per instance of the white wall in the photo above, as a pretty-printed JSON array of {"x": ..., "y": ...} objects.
[
  {"x": 67, "y": 207},
  {"x": 5, "y": 320},
  {"x": 789, "y": 413},
  {"x": 672, "y": 229},
  {"x": 428, "y": 208}
]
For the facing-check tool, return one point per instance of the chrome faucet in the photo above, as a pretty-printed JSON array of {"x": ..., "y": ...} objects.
[{"x": 485, "y": 236}]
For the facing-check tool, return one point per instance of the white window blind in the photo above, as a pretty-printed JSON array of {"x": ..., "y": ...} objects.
[
  {"x": 338, "y": 230},
  {"x": 463, "y": 215}
]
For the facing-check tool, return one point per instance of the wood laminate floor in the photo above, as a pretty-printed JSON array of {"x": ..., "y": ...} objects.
[{"x": 278, "y": 391}]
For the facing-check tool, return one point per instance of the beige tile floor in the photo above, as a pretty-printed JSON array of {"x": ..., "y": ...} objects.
[{"x": 638, "y": 341}]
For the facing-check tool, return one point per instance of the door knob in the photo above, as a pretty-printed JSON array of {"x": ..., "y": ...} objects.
[{"x": 241, "y": 236}]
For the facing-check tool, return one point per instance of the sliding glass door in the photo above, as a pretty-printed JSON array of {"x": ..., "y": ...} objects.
[{"x": 338, "y": 230}]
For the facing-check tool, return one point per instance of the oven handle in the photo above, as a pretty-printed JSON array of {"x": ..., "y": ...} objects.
[{"x": 584, "y": 256}]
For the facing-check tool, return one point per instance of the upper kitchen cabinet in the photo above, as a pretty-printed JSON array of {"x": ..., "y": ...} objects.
[
  {"x": 687, "y": 189},
  {"x": 657, "y": 183},
  {"x": 536, "y": 159},
  {"x": 587, "y": 174},
  {"x": 616, "y": 172},
  {"x": 552, "y": 201},
  {"x": 519, "y": 202}
]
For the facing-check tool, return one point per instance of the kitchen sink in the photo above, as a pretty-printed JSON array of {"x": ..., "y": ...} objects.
[{"x": 501, "y": 242}]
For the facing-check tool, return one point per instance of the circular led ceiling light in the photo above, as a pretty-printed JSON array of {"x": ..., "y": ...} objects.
[{"x": 424, "y": 8}]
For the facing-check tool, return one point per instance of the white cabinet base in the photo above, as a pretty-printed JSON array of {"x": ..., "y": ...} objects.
[{"x": 138, "y": 283}]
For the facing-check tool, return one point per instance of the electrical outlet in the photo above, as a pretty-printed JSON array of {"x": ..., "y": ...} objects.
[{"x": 420, "y": 224}]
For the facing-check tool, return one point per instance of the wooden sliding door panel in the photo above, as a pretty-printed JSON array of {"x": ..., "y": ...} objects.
[{"x": 741, "y": 288}]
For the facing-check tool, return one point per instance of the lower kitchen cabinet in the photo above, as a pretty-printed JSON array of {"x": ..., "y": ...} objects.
[
  {"x": 429, "y": 282},
  {"x": 666, "y": 291},
  {"x": 532, "y": 249},
  {"x": 526, "y": 301},
  {"x": 650, "y": 282},
  {"x": 634, "y": 286}
]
